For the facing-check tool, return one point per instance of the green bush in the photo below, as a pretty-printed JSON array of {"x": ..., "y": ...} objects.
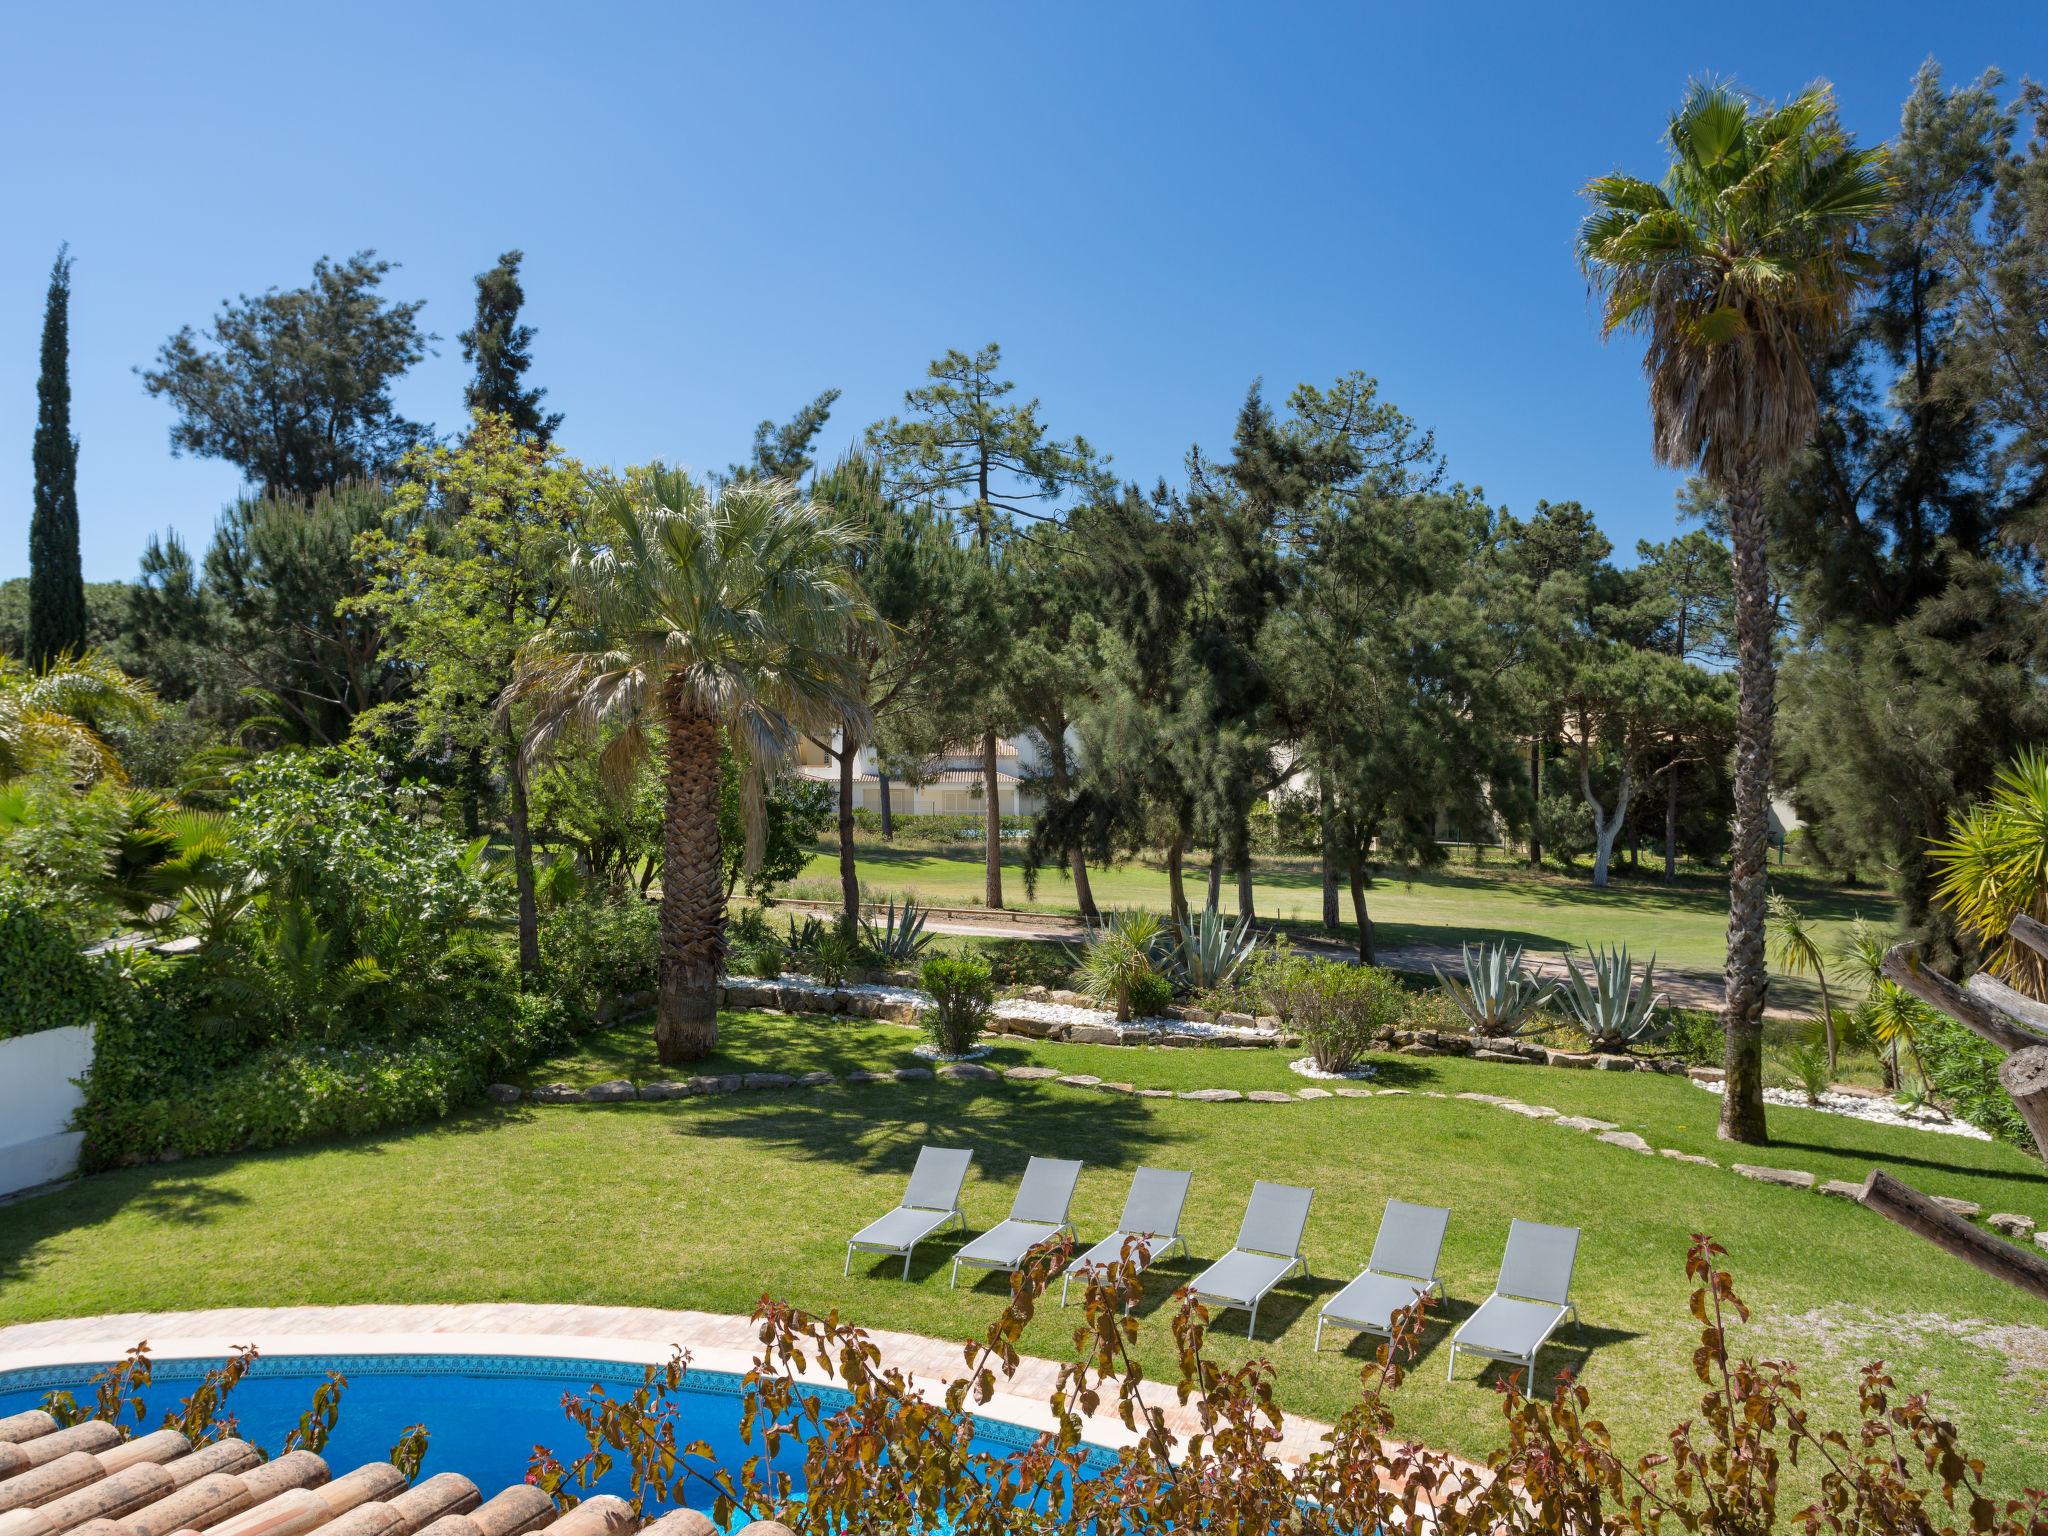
[
  {"x": 962, "y": 990},
  {"x": 1337, "y": 1009},
  {"x": 46, "y": 982},
  {"x": 1151, "y": 995},
  {"x": 600, "y": 946},
  {"x": 1962, "y": 1070}
]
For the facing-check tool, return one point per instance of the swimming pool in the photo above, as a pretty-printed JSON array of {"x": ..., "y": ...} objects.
[{"x": 484, "y": 1413}]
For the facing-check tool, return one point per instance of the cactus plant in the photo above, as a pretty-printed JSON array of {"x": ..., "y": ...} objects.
[
  {"x": 1498, "y": 995},
  {"x": 1615, "y": 1010},
  {"x": 1209, "y": 950}
]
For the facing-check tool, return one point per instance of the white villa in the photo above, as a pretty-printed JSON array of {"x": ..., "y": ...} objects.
[{"x": 946, "y": 786}]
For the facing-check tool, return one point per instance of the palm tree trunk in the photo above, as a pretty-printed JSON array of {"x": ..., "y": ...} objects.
[
  {"x": 522, "y": 862},
  {"x": 849, "y": 875},
  {"x": 692, "y": 898},
  {"x": 1742, "y": 1013},
  {"x": 992, "y": 837}
]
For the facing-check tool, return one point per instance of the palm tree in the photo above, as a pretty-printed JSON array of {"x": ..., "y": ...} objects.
[
  {"x": 1994, "y": 866},
  {"x": 1736, "y": 268},
  {"x": 698, "y": 624},
  {"x": 51, "y": 716},
  {"x": 1797, "y": 952}
]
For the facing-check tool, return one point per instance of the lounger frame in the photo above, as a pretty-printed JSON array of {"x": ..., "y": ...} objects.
[
  {"x": 937, "y": 1218},
  {"x": 1424, "y": 1285},
  {"x": 1506, "y": 1289},
  {"x": 1298, "y": 1262},
  {"x": 1045, "y": 1230},
  {"x": 1157, "y": 1244}
]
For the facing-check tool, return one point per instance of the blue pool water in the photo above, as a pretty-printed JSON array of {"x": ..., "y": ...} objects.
[{"x": 485, "y": 1413}]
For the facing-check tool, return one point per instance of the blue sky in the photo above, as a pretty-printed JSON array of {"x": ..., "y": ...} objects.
[{"x": 726, "y": 209}]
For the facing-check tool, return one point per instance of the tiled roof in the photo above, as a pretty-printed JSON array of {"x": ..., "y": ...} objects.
[{"x": 89, "y": 1481}]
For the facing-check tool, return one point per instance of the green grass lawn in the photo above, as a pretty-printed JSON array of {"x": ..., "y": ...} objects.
[
  {"x": 713, "y": 1202},
  {"x": 1685, "y": 924}
]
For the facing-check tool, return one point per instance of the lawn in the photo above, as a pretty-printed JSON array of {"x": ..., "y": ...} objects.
[
  {"x": 713, "y": 1202},
  {"x": 1685, "y": 925}
]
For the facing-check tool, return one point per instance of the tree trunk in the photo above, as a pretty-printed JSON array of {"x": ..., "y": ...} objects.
[
  {"x": 1077, "y": 861},
  {"x": 888, "y": 814},
  {"x": 1671, "y": 828},
  {"x": 1215, "y": 879},
  {"x": 1365, "y": 934},
  {"x": 849, "y": 874},
  {"x": 1176, "y": 886},
  {"x": 1605, "y": 828},
  {"x": 522, "y": 862},
  {"x": 1742, "y": 1015},
  {"x": 1536, "y": 803},
  {"x": 472, "y": 775},
  {"x": 692, "y": 899},
  {"x": 1244, "y": 889},
  {"x": 1325, "y": 816},
  {"x": 992, "y": 823}
]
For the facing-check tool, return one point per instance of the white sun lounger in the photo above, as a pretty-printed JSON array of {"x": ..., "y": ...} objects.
[
  {"x": 1268, "y": 1250},
  {"x": 1151, "y": 1214},
  {"x": 1401, "y": 1271},
  {"x": 1531, "y": 1299},
  {"x": 1037, "y": 1214},
  {"x": 931, "y": 1200}
]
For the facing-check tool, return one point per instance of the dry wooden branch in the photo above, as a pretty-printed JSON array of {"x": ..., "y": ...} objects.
[
  {"x": 2030, "y": 933},
  {"x": 1974, "y": 1013},
  {"x": 2024, "y": 1075},
  {"x": 2023, "y": 1008},
  {"x": 1901, "y": 1203}
]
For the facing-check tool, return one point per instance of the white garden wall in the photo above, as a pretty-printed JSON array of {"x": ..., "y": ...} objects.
[{"x": 37, "y": 1097}]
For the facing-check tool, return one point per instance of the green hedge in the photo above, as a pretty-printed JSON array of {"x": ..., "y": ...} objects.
[
  {"x": 45, "y": 982},
  {"x": 1963, "y": 1071}
]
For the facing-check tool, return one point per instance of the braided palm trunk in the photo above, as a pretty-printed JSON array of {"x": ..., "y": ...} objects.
[
  {"x": 1742, "y": 1014},
  {"x": 692, "y": 889}
]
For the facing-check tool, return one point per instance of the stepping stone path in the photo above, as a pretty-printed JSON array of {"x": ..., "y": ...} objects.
[
  {"x": 1969, "y": 1210},
  {"x": 1628, "y": 1139},
  {"x": 1687, "y": 1157},
  {"x": 617, "y": 1091},
  {"x": 1789, "y": 1178},
  {"x": 1586, "y": 1123},
  {"x": 1155, "y": 1093},
  {"x": 1842, "y": 1189},
  {"x": 969, "y": 1070},
  {"x": 1349, "y": 1093},
  {"x": 1213, "y": 1096},
  {"x": 1267, "y": 1096},
  {"x": 1080, "y": 1080},
  {"x": 1030, "y": 1074},
  {"x": 1313, "y": 1093},
  {"x": 2007, "y": 1224}
]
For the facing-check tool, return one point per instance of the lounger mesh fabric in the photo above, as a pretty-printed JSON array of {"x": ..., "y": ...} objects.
[
  {"x": 935, "y": 1181},
  {"x": 1038, "y": 1212},
  {"x": 1402, "y": 1268},
  {"x": 1268, "y": 1250},
  {"x": 1274, "y": 1218},
  {"x": 1151, "y": 1211},
  {"x": 1532, "y": 1299},
  {"x": 1538, "y": 1263}
]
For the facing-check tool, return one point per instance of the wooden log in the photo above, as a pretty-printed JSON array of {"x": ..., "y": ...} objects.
[
  {"x": 1902, "y": 965},
  {"x": 514, "y": 1512},
  {"x": 604, "y": 1515},
  {"x": 2030, "y": 933},
  {"x": 2014, "y": 1002},
  {"x": 1904, "y": 1205},
  {"x": 2024, "y": 1075},
  {"x": 52, "y": 1480}
]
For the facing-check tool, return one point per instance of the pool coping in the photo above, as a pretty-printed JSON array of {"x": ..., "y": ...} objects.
[{"x": 715, "y": 1342}]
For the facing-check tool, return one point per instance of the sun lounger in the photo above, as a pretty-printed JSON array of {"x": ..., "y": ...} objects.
[
  {"x": 929, "y": 1203},
  {"x": 1401, "y": 1271},
  {"x": 1531, "y": 1299},
  {"x": 1268, "y": 1250},
  {"x": 1151, "y": 1215},
  {"x": 1037, "y": 1214}
]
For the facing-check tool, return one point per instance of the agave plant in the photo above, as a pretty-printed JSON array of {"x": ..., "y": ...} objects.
[
  {"x": 1208, "y": 951},
  {"x": 898, "y": 942},
  {"x": 1498, "y": 994},
  {"x": 1613, "y": 1007}
]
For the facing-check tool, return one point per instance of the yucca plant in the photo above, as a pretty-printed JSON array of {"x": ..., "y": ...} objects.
[
  {"x": 1889, "y": 1016},
  {"x": 1994, "y": 866},
  {"x": 897, "y": 941},
  {"x": 1209, "y": 950},
  {"x": 1612, "y": 1006},
  {"x": 1117, "y": 955},
  {"x": 1795, "y": 951},
  {"x": 1807, "y": 1069},
  {"x": 1498, "y": 994}
]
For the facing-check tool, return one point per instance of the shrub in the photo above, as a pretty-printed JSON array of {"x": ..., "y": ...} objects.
[
  {"x": 1151, "y": 995},
  {"x": 1119, "y": 952},
  {"x": 962, "y": 990},
  {"x": 751, "y": 949},
  {"x": 1337, "y": 1009},
  {"x": 1962, "y": 1071},
  {"x": 602, "y": 945},
  {"x": 45, "y": 980}
]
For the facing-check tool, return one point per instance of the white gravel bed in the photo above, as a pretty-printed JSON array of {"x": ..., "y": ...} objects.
[
  {"x": 1307, "y": 1067},
  {"x": 1855, "y": 1106},
  {"x": 875, "y": 989},
  {"x": 930, "y": 1052}
]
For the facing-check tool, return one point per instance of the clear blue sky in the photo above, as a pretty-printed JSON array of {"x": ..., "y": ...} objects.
[{"x": 728, "y": 208}]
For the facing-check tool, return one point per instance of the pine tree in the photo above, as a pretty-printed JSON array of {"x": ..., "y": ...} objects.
[
  {"x": 499, "y": 348},
  {"x": 56, "y": 587}
]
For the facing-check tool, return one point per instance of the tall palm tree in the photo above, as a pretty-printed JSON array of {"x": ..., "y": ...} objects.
[
  {"x": 50, "y": 716},
  {"x": 1736, "y": 269},
  {"x": 696, "y": 622}
]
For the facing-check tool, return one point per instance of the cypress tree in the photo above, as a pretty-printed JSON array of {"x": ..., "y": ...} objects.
[
  {"x": 56, "y": 587},
  {"x": 498, "y": 346}
]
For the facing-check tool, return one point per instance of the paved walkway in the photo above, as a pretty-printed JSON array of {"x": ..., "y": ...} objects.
[{"x": 635, "y": 1335}]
